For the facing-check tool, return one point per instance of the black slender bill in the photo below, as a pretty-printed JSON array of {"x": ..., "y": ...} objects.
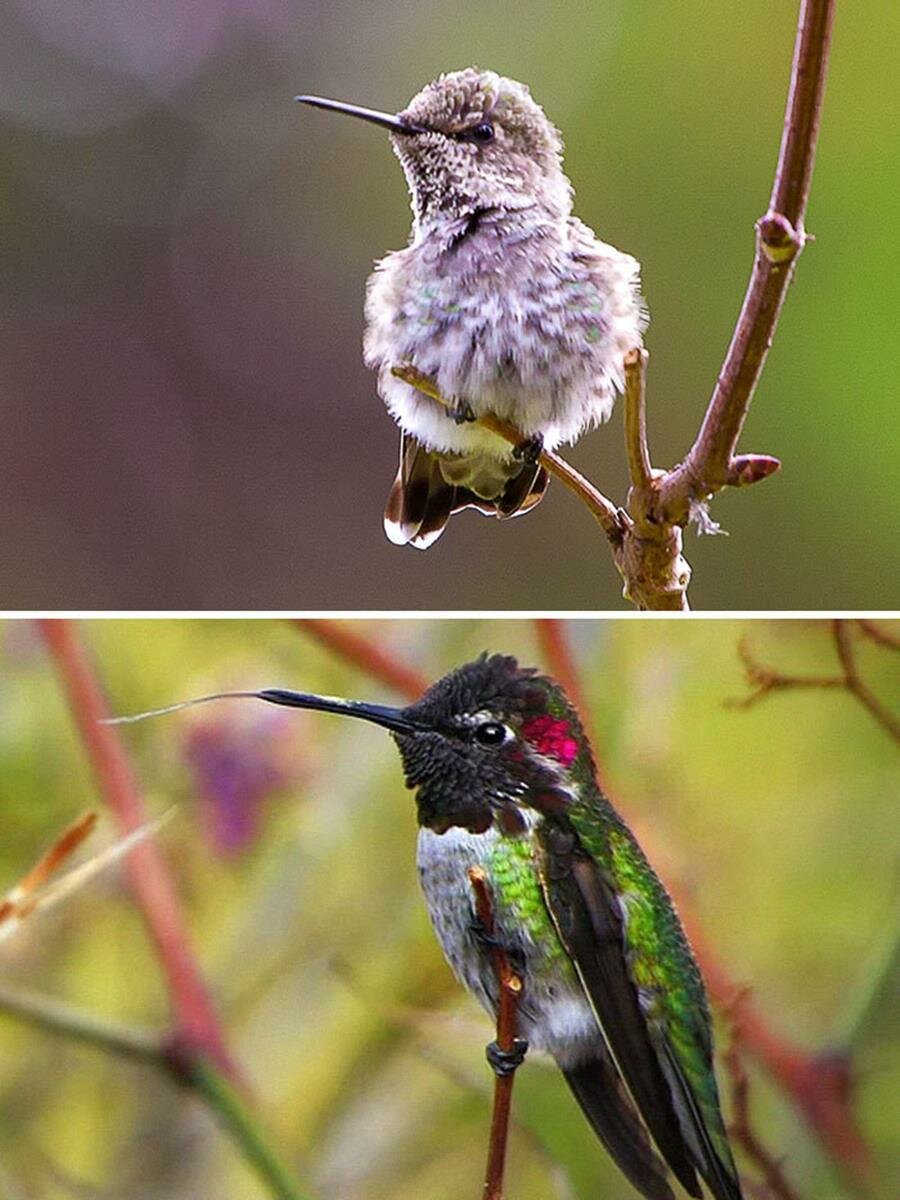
[
  {"x": 379, "y": 714},
  {"x": 388, "y": 120},
  {"x": 394, "y": 719}
]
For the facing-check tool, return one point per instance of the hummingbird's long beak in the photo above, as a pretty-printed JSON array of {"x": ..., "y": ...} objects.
[
  {"x": 366, "y": 114},
  {"x": 394, "y": 719}
]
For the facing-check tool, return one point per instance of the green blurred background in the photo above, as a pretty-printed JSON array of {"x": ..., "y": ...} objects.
[
  {"x": 186, "y": 419},
  {"x": 293, "y": 849}
]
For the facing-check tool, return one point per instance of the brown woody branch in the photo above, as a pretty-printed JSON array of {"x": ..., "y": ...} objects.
[
  {"x": 765, "y": 680},
  {"x": 662, "y": 503},
  {"x": 648, "y": 557},
  {"x": 509, "y": 990}
]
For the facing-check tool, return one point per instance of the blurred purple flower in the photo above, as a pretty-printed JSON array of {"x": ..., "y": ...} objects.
[{"x": 237, "y": 766}]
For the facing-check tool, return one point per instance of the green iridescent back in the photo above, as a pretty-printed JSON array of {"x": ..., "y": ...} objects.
[{"x": 659, "y": 955}]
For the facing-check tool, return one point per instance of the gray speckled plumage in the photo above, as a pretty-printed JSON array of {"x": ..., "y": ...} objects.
[{"x": 512, "y": 305}]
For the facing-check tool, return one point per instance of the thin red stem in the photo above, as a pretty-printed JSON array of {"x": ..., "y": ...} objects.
[
  {"x": 793, "y": 175},
  {"x": 196, "y": 1028},
  {"x": 555, "y": 648},
  {"x": 509, "y": 987},
  {"x": 856, "y": 685},
  {"x": 742, "y": 1129},
  {"x": 365, "y": 653}
]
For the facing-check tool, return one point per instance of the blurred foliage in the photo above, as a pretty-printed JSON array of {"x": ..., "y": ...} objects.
[
  {"x": 187, "y": 421},
  {"x": 365, "y": 1057}
]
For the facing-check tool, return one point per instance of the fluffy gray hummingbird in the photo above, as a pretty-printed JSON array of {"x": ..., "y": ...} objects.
[
  {"x": 510, "y": 304},
  {"x": 505, "y": 781}
]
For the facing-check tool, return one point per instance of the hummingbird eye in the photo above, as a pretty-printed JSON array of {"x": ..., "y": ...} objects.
[
  {"x": 491, "y": 733},
  {"x": 482, "y": 133}
]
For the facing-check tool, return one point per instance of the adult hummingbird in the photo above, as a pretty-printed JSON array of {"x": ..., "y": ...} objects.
[
  {"x": 510, "y": 304},
  {"x": 505, "y": 781}
]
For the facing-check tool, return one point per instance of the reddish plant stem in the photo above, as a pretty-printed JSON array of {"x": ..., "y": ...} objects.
[
  {"x": 555, "y": 648},
  {"x": 878, "y": 634},
  {"x": 365, "y": 653},
  {"x": 742, "y": 1130},
  {"x": 856, "y": 685},
  {"x": 509, "y": 987},
  {"x": 793, "y": 175},
  {"x": 196, "y": 1031},
  {"x": 766, "y": 680}
]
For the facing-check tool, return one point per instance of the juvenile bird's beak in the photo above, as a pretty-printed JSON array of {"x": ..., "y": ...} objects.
[{"x": 394, "y": 124}]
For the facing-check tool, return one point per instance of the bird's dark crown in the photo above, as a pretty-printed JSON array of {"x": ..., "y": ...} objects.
[
  {"x": 493, "y": 683},
  {"x": 494, "y": 736}
]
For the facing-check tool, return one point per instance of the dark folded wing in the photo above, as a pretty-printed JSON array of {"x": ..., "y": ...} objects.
[
  {"x": 599, "y": 1090},
  {"x": 589, "y": 922}
]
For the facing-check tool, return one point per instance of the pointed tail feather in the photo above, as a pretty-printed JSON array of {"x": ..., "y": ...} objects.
[
  {"x": 703, "y": 1132},
  {"x": 422, "y": 500},
  {"x": 523, "y": 491},
  {"x": 438, "y": 505},
  {"x": 598, "y": 1088}
]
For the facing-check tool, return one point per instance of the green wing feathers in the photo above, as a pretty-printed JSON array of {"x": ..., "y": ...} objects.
[{"x": 622, "y": 931}]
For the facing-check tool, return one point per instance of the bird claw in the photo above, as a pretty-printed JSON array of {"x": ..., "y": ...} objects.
[
  {"x": 488, "y": 941},
  {"x": 481, "y": 935},
  {"x": 504, "y": 1062},
  {"x": 530, "y": 450},
  {"x": 461, "y": 412}
]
